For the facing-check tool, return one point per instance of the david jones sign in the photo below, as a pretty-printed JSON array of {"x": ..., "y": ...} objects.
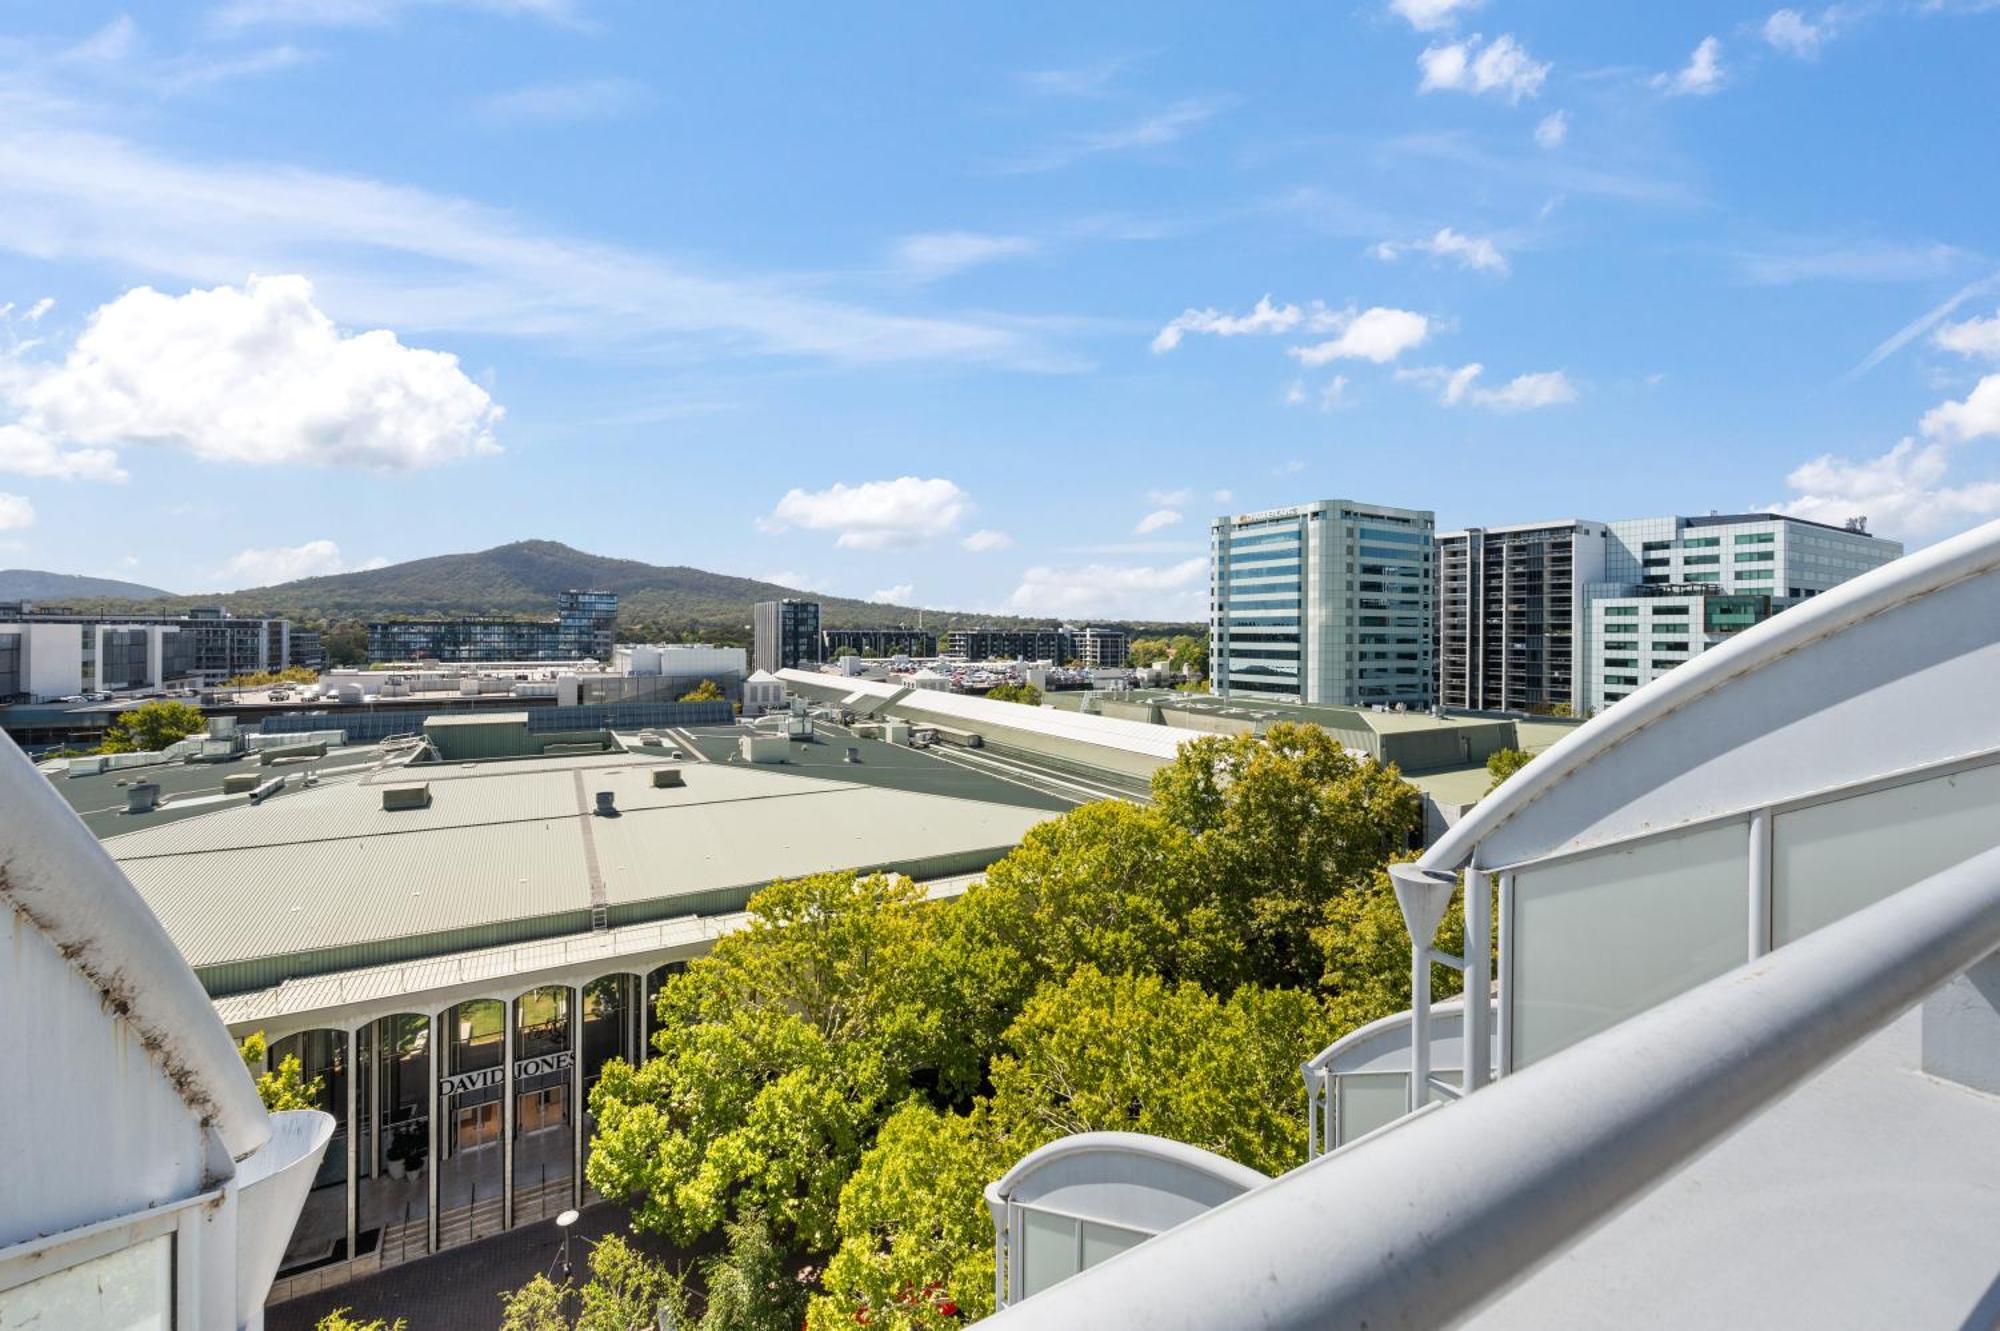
[{"x": 538, "y": 1066}]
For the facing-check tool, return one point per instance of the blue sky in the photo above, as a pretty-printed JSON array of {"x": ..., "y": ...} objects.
[{"x": 986, "y": 307}]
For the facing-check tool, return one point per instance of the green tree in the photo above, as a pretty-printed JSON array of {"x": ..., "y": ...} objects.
[
  {"x": 346, "y": 643},
  {"x": 751, "y": 1286},
  {"x": 1367, "y": 953},
  {"x": 1011, "y": 692},
  {"x": 1189, "y": 653},
  {"x": 626, "y": 1289},
  {"x": 285, "y": 1086},
  {"x": 1503, "y": 763},
  {"x": 1134, "y": 1053},
  {"x": 1145, "y": 651},
  {"x": 706, "y": 691},
  {"x": 916, "y": 1246},
  {"x": 1291, "y": 820},
  {"x": 536, "y": 1306},
  {"x": 152, "y": 726},
  {"x": 778, "y": 1055},
  {"x": 341, "y": 1319}
]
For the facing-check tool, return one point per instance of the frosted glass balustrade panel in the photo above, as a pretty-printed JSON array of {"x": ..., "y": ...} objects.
[
  {"x": 1101, "y": 1242},
  {"x": 1048, "y": 1250},
  {"x": 1832, "y": 859},
  {"x": 1603, "y": 936},
  {"x": 1365, "y": 1101}
]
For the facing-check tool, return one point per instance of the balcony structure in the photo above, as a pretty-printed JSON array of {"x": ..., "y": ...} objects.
[{"x": 1743, "y": 1063}]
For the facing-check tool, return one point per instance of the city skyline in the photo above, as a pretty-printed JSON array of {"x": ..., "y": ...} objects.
[{"x": 968, "y": 313}]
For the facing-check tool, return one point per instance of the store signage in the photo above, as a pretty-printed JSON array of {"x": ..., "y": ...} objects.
[{"x": 541, "y": 1065}]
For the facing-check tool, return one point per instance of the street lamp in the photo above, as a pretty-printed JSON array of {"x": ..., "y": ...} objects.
[{"x": 563, "y": 1222}]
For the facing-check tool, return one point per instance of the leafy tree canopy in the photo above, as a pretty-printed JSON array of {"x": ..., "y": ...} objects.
[
  {"x": 152, "y": 726},
  {"x": 1012, "y": 692},
  {"x": 1503, "y": 763},
  {"x": 706, "y": 691}
]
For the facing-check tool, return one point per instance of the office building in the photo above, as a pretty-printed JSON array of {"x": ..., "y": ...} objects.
[
  {"x": 1330, "y": 602},
  {"x": 1675, "y": 587},
  {"x": 50, "y": 652},
  {"x": 1510, "y": 609},
  {"x": 1736, "y": 1061},
  {"x": 784, "y": 635},
  {"x": 1100, "y": 647},
  {"x": 584, "y": 629},
  {"x": 836, "y": 643}
]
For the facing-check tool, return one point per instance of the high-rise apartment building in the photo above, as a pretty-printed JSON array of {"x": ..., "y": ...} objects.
[
  {"x": 1330, "y": 602},
  {"x": 784, "y": 634},
  {"x": 1100, "y": 647},
  {"x": 1510, "y": 614},
  {"x": 1674, "y": 587}
]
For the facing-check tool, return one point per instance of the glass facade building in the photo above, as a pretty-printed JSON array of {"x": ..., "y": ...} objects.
[
  {"x": 584, "y": 628},
  {"x": 836, "y": 643},
  {"x": 784, "y": 635},
  {"x": 1510, "y": 614},
  {"x": 1331, "y": 602}
]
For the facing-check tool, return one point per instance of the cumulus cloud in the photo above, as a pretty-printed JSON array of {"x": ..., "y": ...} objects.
[
  {"x": 1525, "y": 392},
  {"x": 1504, "y": 68},
  {"x": 1431, "y": 15},
  {"x": 1173, "y": 591},
  {"x": 254, "y": 375},
  {"x": 939, "y": 254},
  {"x": 1974, "y": 337},
  {"x": 985, "y": 540},
  {"x": 15, "y": 513},
  {"x": 1264, "y": 317},
  {"x": 1793, "y": 33},
  {"x": 1154, "y": 521},
  {"x": 1553, "y": 129},
  {"x": 1377, "y": 334},
  {"x": 1478, "y": 253},
  {"x": 875, "y": 515},
  {"x": 262, "y": 566},
  {"x": 1903, "y": 491},
  {"x": 1701, "y": 75},
  {"x": 899, "y": 594},
  {"x": 1978, "y": 417}
]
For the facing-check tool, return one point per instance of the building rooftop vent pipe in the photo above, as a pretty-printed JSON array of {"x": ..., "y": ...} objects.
[
  {"x": 607, "y": 804},
  {"x": 142, "y": 797}
]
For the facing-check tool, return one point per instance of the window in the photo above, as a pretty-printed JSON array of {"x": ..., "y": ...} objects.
[
  {"x": 1701, "y": 542},
  {"x": 1622, "y": 646},
  {"x": 1693, "y": 561},
  {"x": 1621, "y": 610},
  {"x": 1704, "y": 575},
  {"x": 1660, "y": 610},
  {"x": 1670, "y": 646},
  {"x": 1756, "y": 538},
  {"x": 1755, "y": 556},
  {"x": 1622, "y": 662},
  {"x": 1621, "y": 679},
  {"x": 1753, "y": 575}
]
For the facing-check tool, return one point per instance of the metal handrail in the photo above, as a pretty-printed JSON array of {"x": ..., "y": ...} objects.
[{"x": 1428, "y": 1223}]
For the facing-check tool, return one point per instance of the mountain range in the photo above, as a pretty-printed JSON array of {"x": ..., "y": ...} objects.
[
  {"x": 522, "y": 579},
  {"x": 31, "y": 584}
]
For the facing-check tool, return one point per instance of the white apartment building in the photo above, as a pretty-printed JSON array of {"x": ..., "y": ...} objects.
[
  {"x": 1329, "y": 602},
  {"x": 1675, "y": 587}
]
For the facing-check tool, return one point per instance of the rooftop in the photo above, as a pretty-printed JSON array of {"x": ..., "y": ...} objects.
[{"x": 323, "y": 878}]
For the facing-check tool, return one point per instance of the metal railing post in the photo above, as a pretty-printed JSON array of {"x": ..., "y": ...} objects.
[{"x": 1477, "y": 1047}]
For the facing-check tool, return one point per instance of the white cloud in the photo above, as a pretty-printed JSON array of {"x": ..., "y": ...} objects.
[
  {"x": 1793, "y": 33},
  {"x": 567, "y": 103},
  {"x": 388, "y": 255},
  {"x": 875, "y": 514},
  {"x": 1903, "y": 491},
  {"x": 261, "y": 567},
  {"x": 1475, "y": 252},
  {"x": 1974, "y": 337},
  {"x": 371, "y": 13},
  {"x": 783, "y": 578},
  {"x": 39, "y": 308},
  {"x": 1169, "y": 498},
  {"x": 900, "y": 594},
  {"x": 985, "y": 540},
  {"x": 1174, "y": 591},
  {"x": 15, "y": 513},
  {"x": 1552, "y": 129},
  {"x": 1817, "y": 259},
  {"x": 1157, "y": 130},
  {"x": 1505, "y": 67},
  {"x": 1525, "y": 392},
  {"x": 1978, "y": 417},
  {"x": 27, "y": 452},
  {"x": 1154, "y": 521},
  {"x": 1264, "y": 317},
  {"x": 937, "y": 254},
  {"x": 1701, "y": 75},
  {"x": 1431, "y": 15},
  {"x": 253, "y": 375},
  {"x": 1377, "y": 334},
  {"x": 1295, "y": 393},
  {"x": 1088, "y": 80},
  {"x": 1334, "y": 394}
]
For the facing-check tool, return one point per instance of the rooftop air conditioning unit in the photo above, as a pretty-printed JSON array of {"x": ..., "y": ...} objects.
[
  {"x": 664, "y": 778},
  {"x": 415, "y": 796}
]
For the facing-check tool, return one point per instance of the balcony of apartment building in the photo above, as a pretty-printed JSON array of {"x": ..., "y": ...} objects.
[{"x": 1738, "y": 1063}]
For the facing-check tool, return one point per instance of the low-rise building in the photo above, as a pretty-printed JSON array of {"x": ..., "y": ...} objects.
[
  {"x": 583, "y": 629},
  {"x": 1098, "y": 646},
  {"x": 836, "y": 643},
  {"x": 51, "y": 652},
  {"x": 1011, "y": 644}
]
